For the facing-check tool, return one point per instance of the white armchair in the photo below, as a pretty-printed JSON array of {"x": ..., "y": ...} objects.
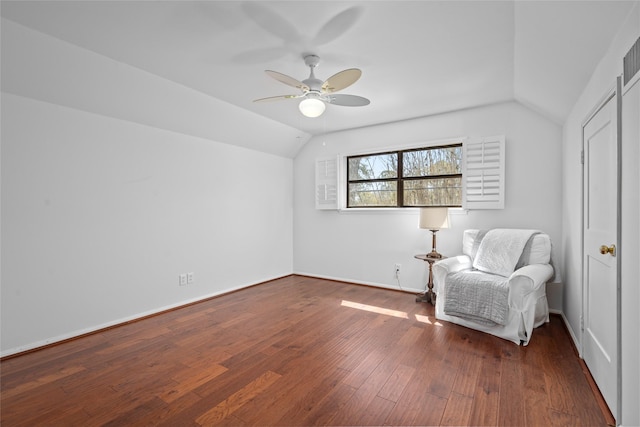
[{"x": 498, "y": 284}]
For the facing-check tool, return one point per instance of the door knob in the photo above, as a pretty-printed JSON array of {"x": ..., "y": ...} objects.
[{"x": 604, "y": 249}]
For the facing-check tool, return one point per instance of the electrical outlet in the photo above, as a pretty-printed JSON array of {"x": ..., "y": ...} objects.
[
  {"x": 182, "y": 280},
  {"x": 189, "y": 278},
  {"x": 398, "y": 269}
]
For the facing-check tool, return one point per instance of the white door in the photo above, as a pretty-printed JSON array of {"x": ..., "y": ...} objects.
[{"x": 600, "y": 342}]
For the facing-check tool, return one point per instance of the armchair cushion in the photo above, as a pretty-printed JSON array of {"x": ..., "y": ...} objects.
[
  {"x": 537, "y": 250},
  {"x": 500, "y": 250}
]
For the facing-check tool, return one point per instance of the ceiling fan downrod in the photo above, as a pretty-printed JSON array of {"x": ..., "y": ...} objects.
[{"x": 315, "y": 84}]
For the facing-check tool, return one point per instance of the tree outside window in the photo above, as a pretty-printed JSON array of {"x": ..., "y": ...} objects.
[{"x": 429, "y": 176}]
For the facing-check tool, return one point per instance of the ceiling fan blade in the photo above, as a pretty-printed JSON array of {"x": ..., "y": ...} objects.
[
  {"x": 337, "y": 25},
  {"x": 348, "y": 100},
  {"x": 283, "y": 78},
  {"x": 341, "y": 80},
  {"x": 271, "y": 21},
  {"x": 277, "y": 98}
]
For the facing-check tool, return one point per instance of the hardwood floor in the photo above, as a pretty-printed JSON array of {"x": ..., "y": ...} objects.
[{"x": 300, "y": 351}]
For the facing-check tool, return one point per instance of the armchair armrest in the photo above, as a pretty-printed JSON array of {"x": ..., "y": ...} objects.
[{"x": 527, "y": 280}]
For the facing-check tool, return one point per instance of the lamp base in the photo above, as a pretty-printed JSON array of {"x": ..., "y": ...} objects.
[{"x": 434, "y": 253}]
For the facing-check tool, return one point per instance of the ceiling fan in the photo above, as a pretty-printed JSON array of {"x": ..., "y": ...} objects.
[{"x": 316, "y": 93}]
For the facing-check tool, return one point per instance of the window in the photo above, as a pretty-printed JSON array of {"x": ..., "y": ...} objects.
[
  {"x": 468, "y": 174},
  {"x": 428, "y": 176}
]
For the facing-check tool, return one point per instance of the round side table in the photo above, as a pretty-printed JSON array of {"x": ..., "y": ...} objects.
[{"x": 428, "y": 295}]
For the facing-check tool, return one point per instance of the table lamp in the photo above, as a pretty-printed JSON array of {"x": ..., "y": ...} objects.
[{"x": 434, "y": 219}]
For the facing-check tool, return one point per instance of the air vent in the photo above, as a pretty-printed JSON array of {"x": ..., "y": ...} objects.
[{"x": 631, "y": 62}]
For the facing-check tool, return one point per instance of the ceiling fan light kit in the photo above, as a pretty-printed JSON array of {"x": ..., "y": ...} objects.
[
  {"x": 317, "y": 93},
  {"x": 312, "y": 107}
]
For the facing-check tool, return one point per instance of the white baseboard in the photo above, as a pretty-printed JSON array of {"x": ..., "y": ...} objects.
[
  {"x": 385, "y": 286},
  {"x": 116, "y": 322},
  {"x": 360, "y": 282},
  {"x": 123, "y": 320},
  {"x": 573, "y": 336}
]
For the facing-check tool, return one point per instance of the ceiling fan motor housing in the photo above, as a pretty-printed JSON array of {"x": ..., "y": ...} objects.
[
  {"x": 312, "y": 60},
  {"x": 315, "y": 84}
]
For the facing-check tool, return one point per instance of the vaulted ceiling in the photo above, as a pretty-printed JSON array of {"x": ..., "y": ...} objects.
[{"x": 418, "y": 58}]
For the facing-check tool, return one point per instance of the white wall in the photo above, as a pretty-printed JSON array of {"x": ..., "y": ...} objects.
[
  {"x": 601, "y": 82},
  {"x": 103, "y": 205},
  {"x": 364, "y": 246},
  {"x": 99, "y": 216}
]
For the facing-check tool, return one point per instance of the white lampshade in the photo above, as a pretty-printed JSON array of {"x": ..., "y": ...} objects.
[
  {"x": 312, "y": 107},
  {"x": 434, "y": 218}
]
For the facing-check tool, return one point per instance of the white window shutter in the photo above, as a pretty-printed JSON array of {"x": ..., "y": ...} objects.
[
  {"x": 483, "y": 173},
  {"x": 327, "y": 183}
]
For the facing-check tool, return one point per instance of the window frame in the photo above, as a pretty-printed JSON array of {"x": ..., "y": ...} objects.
[{"x": 400, "y": 179}]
